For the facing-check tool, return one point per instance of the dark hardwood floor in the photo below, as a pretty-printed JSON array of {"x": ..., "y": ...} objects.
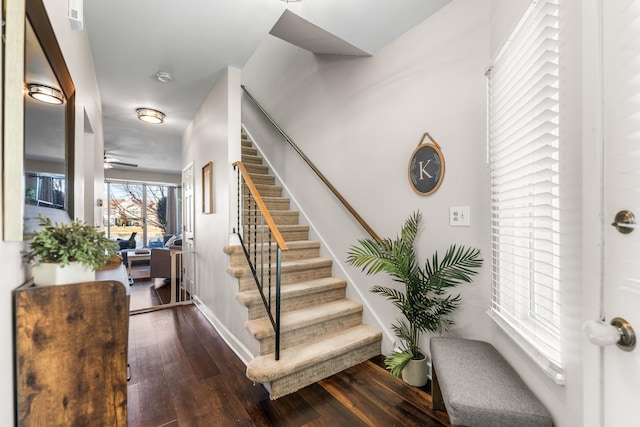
[{"x": 183, "y": 374}]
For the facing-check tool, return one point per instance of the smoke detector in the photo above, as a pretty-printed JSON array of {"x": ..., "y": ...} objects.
[{"x": 164, "y": 77}]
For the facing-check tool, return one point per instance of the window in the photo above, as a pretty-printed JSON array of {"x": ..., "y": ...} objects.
[
  {"x": 151, "y": 211},
  {"x": 524, "y": 147},
  {"x": 44, "y": 189}
]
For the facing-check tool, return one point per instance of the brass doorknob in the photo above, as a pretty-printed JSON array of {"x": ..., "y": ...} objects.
[{"x": 624, "y": 222}]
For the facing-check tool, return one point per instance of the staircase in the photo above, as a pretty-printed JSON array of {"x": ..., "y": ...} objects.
[{"x": 321, "y": 330}]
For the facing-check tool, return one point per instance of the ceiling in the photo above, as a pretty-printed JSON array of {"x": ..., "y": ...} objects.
[{"x": 195, "y": 40}]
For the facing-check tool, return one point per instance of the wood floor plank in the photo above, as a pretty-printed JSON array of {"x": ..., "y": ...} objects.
[
  {"x": 155, "y": 403},
  {"x": 365, "y": 406},
  {"x": 413, "y": 395},
  {"x": 329, "y": 408}
]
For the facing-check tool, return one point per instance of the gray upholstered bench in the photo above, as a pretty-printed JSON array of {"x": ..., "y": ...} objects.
[{"x": 477, "y": 387}]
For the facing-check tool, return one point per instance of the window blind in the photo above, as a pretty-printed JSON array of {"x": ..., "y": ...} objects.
[{"x": 523, "y": 133}]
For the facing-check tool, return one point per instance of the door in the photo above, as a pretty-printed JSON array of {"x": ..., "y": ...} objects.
[
  {"x": 621, "y": 283},
  {"x": 188, "y": 244}
]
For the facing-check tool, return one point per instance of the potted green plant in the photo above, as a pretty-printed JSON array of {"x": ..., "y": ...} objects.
[
  {"x": 425, "y": 303},
  {"x": 67, "y": 253}
]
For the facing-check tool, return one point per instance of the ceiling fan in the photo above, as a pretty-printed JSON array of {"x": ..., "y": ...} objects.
[{"x": 110, "y": 161}]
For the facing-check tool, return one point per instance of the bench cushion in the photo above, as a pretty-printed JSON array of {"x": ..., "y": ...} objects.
[{"x": 480, "y": 388}]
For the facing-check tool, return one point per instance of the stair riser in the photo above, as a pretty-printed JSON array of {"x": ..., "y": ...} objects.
[
  {"x": 277, "y": 215},
  {"x": 276, "y": 204},
  {"x": 249, "y": 151},
  {"x": 251, "y": 160},
  {"x": 239, "y": 260},
  {"x": 248, "y": 283},
  {"x": 280, "y": 219},
  {"x": 287, "y": 235},
  {"x": 263, "y": 179},
  {"x": 256, "y": 169},
  {"x": 269, "y": 190},
  {"x": 257, "y": 310},
  {"x": 311, "y": 332},
  {"x": 246, "y": 143},
  {"x": 297, "y": 380}
]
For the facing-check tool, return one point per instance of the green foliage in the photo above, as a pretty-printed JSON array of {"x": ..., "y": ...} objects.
[
  {"x": 425, "y": 302},
  {"x": 65, "y": 243}
]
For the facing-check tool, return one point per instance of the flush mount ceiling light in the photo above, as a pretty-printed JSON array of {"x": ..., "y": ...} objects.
[
  {"x": 150, "y": 115},
  {"x": 45, "y": 94}
]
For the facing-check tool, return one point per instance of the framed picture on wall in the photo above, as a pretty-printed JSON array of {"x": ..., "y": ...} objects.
[{"x": 207, "y": 188}]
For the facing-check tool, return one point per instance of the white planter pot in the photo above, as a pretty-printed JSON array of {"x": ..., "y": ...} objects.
[
  {"x": 46, "y": 274},
  {"x": 416, "y": 373}
]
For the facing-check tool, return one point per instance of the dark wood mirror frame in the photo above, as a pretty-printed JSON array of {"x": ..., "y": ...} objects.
[{"x": 15, "y": 13}]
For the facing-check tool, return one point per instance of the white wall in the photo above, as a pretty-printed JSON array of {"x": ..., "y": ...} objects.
[
  {"x": 75, "y": 48},
  {"x": 359, "y": 120},
  {"x": 214, "y": 136}
]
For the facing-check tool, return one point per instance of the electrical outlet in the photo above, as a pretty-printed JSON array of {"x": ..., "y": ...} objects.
[{"x": 460, "y": 216}]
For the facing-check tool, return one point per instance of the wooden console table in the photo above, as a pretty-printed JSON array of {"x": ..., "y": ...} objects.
[{"x": 71, "y": 353}]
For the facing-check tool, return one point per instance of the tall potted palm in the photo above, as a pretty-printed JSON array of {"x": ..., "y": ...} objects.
[{"x": 426, "y": 302}]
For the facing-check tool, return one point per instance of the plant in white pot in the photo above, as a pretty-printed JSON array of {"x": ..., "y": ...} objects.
[
  {"x": 67, "y": 253},
  {"x": 426, "y": 302}
]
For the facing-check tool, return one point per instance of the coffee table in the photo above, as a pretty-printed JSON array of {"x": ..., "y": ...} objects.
[{"x": 138, "y": 255}]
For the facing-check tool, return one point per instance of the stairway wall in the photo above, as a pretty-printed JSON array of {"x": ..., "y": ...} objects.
[{"x": 214, "y": 136}]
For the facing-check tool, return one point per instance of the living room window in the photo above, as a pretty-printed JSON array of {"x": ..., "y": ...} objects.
[
  {"x": 151, "y": 211},
  {"x": 524, "y": 156}
]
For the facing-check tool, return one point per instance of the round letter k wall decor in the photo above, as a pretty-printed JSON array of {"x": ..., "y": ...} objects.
[{"x": 426, "y": 167}]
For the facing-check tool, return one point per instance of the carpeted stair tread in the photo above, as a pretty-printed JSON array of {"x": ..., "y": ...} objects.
[
  {"x": 262, "y": 328},
  {"x": 308, "y": 287},
  {"x": 301, "y": 249},
  {"x": 264, "y": 369},
  {"x": 288, "y": 266},
  {"x": 232, "y": 249}
]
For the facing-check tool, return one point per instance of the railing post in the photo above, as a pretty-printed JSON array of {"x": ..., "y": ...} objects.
[{"x": 278, "y": 268}]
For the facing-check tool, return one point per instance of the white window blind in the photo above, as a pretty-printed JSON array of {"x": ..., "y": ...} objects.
[{"x": 524, "y": 165}]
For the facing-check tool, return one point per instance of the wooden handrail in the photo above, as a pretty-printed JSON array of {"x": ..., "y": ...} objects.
[
  {"x": 313, "y": 167},
  {"x": 262, "y": 206}
]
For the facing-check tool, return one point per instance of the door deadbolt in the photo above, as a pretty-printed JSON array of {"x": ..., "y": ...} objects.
[{"x": 624, "y": 222}]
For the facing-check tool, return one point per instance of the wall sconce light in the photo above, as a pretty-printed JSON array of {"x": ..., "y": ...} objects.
[
  {"x": 45, "y": 94},
  {"x": 150, "y": 115}
]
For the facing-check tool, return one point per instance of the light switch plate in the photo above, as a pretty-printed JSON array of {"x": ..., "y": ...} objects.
[{"x": 460, "y": 216}]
